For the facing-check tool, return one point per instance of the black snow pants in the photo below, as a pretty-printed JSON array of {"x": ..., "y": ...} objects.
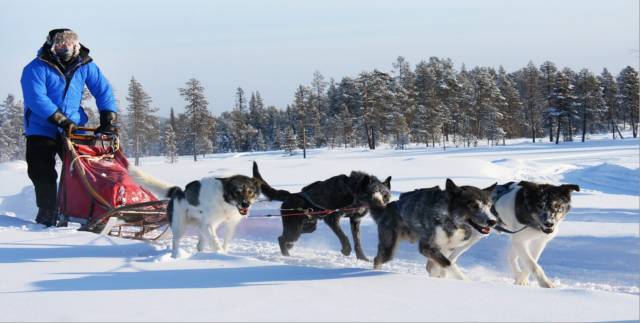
[{"x": 41, "y": 167}]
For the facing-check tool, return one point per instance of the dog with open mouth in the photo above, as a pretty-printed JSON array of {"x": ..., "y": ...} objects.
[
  {"x": 206, "y": 204},
  {"x": 532, "y": 213},
  {"x": 443, "y": 222}
]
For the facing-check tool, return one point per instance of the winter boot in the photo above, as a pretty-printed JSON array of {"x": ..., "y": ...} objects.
[
  {"x": 47, "y": 217},
  {"x": 43, "y": 216}
]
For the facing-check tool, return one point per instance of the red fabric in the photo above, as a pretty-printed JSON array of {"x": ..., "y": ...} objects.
[{"x": 108, "y": 176}]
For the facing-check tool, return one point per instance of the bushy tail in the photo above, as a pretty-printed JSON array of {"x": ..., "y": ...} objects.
[
  {"x": 268, "y": 191},
  {"x": 160, "y": 188},
  {"x": 173, "y": 193}
]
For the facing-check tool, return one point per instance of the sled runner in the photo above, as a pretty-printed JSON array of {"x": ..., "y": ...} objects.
[{"x": 97, "y": 191}]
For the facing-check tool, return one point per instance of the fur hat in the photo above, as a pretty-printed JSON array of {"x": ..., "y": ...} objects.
[{"x": 61, "y": 36}]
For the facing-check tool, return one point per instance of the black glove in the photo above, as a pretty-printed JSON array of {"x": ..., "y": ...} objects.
[
  {"x": 59, "y": 119},
  {"x": 107, "y": 122}
]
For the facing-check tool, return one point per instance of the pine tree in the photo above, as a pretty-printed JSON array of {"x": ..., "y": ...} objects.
[
  {"x": 512, "y": 114},
  {"x": 290, "y": 141},
  {"x": 628, "y": 92},
  {"x": 318, "y": 102},
  {"x": 240, "y": 130},
  {"x": 7, "y": 144},
  {"x": 609, "y": 93},
  {"x": 405, "y": 92},
  {"x": 377, "y": 96},
  {"x": 345, "y": 124},
  {"x": 143, "y": 124},
  {"x": 13, "y": 128},
  {"x": 548, "y": 73},
  {"x": 173, "y": 121},
  {"x": 199, "y": 118},
  {"x": 170, "y": 148},
  {"x": 532, "y": 98},
  {"x": 261, "y": 144},
  {"x": 590, "y": 100},
  {"x": 302, "y": 116},
  {"x": 92, "y": 121},
  {"x": 462, "y": 112},
  {"x": 489, "y": 104},
  {"x": 561, "y": 104},
  {"x": 277, "y": 140}
]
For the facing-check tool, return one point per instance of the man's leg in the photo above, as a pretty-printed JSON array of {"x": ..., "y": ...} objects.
[{"x": 41, "y": 168}]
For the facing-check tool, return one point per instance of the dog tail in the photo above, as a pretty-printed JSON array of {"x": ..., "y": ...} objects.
[
  {"x": 160, "y": 188},
  {"x": 268, "y": 191},
  {"x": 173, "y": 194}
]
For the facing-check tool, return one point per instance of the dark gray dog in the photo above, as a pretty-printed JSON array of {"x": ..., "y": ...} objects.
[
  {"x": 442, "y": 221},
  {"x": 358, "y": 190},
  {"x": 532, "y": 212}
]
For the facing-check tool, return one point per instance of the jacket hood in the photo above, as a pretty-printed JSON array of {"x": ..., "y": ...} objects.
[{"x": 44, "y": 53}]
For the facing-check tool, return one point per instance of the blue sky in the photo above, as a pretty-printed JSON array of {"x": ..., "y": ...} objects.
[{"x": 274, "y": 45}]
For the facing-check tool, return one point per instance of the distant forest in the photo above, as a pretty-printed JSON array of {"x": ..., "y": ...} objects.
[{"x": 430, "y": 104}]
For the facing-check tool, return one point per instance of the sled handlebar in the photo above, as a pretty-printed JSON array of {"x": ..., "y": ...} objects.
[{"x": 71, "y": 134}]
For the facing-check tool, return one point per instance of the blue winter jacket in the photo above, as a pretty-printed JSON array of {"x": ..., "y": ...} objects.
[{"x": 46, "y": 89}]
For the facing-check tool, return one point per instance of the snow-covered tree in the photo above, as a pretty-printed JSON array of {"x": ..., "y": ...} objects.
[
  {"x": 290, "y": 141},
  {"x": 548, "y": 71},
  {"x": 628, "y": 93},
  {"x": 512, "y": 113},
  {"x": 589, "y": 99},
  {"x": 11, "y": 138},
  {"x": 532, "y": 99},
  {"x": 143, "y": 124},
  {"x": 609, "y": 93},
  {"x": 170, "y": 148},
  {"x": 377, "y": 98},
  {"x": 199, "y": 118}
]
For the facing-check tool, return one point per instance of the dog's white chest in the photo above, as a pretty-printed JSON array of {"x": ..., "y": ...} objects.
[{"x": 457, "y": 239}]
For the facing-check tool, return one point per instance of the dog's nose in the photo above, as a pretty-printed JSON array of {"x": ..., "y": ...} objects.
[
  {"x": 244, "y": 204},
  {"x": 548, "y": 224},
  {"x": 491, "y": 222}
]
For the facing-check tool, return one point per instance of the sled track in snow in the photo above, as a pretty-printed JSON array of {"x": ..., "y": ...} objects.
[{"x": 318, "y": 258}]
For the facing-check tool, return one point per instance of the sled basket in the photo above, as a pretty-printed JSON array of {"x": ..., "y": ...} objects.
[{"x": 97, "y": 192}]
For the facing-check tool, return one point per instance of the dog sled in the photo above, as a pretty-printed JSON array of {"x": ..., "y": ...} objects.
[{"x": 96, "y": 190}]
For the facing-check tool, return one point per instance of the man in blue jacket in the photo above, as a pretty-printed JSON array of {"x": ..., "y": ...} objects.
[{"x": 52, "y": 85}]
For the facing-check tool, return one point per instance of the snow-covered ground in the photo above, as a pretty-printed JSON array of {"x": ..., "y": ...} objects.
[{"x": 64, "y": 275}]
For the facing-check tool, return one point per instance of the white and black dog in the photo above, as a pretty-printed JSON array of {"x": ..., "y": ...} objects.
[
  {"x": 532, "y": 213},
  {"x": 442, "y": 221},
  {"x": 205, "y": 203}
]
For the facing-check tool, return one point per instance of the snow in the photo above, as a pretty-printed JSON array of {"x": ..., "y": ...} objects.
[{"x": 61, "y": 274}]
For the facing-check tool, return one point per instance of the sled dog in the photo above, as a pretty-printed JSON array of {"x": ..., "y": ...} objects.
[
  {"x": 443, "y": 222},
  {"x": 533, "y": 213},
  {"x": 206, "y": 204},
  {"x": 358, "y": 191}
]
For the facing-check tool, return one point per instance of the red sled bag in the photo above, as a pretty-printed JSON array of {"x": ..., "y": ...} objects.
[{"x": 95, "y": 186}]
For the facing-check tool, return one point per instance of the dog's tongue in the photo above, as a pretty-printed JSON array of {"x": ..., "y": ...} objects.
[
  {"x": 486, "y": 230},
  {"x": 243, "y": 210}
]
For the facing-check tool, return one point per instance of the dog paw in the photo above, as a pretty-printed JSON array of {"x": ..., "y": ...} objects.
[
  {"x": 363, "y": 258},
  {"x": 522, "y": 282},
  {"x": 547, "y": 284},
  {"x": 346, "y": 251}
]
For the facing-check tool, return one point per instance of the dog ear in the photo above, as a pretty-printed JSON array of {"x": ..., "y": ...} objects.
[
  {"x": 570, "y": 187},
  {"x": 491, "y": 188},
  {"x": 451, "y": 187},
  {"x": 257, "y": 178},
  {"x": 387, "y": 182}
]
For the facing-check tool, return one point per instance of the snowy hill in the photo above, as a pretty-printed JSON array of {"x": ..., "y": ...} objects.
[{"x": 64, "y": 275}]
